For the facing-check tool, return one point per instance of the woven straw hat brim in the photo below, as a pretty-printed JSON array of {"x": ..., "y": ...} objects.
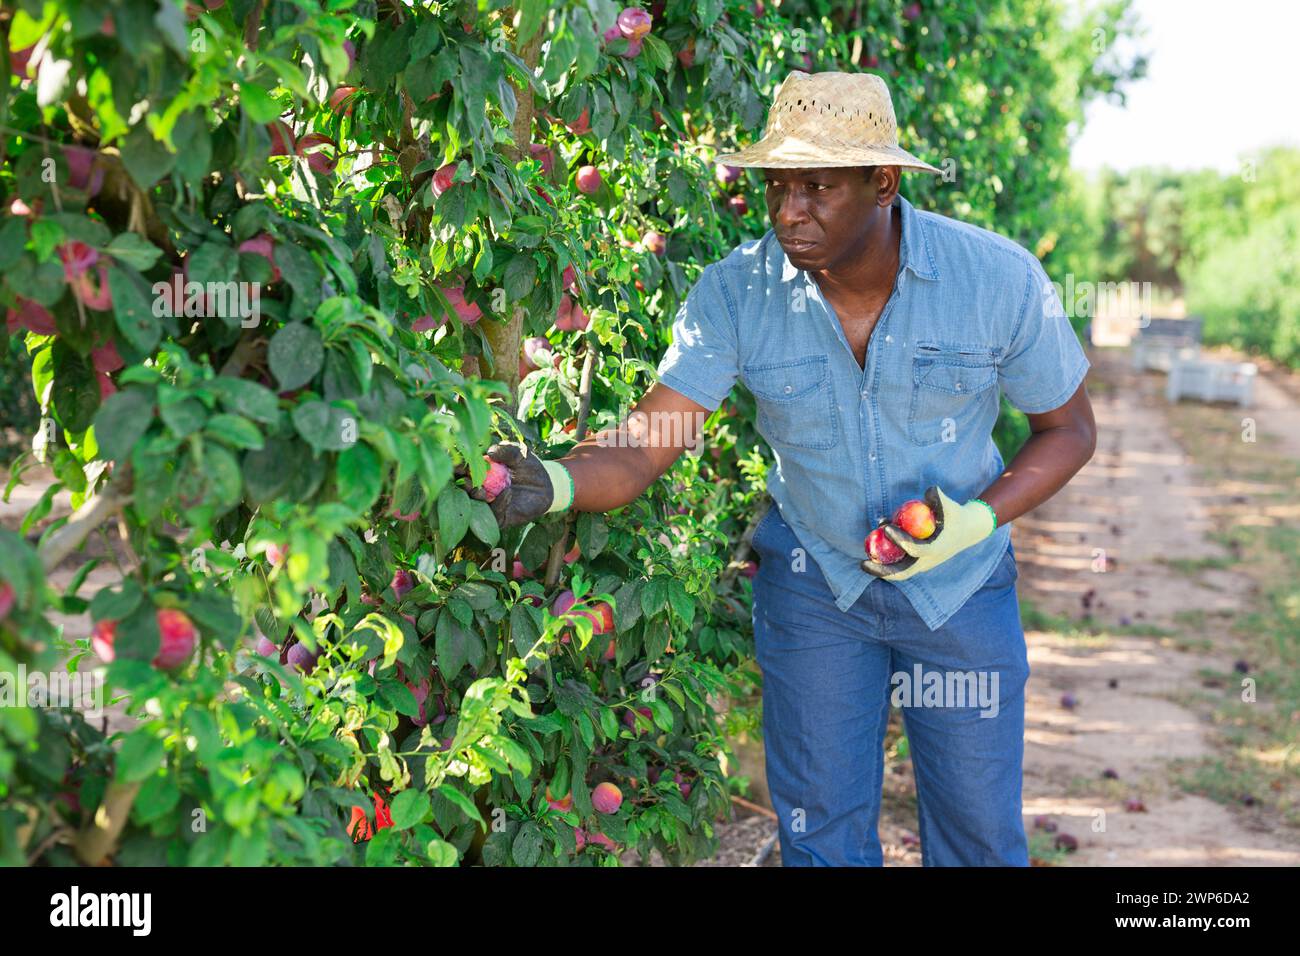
[{"x": 789, "y": 152}]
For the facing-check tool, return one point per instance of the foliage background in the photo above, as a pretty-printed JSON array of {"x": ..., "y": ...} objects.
[{"x": 444, "y": 685}]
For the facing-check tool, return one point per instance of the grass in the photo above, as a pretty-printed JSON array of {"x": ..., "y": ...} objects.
[
  {"x": 1086, "y": 629},
  {"x": 1043, "y": 850},
  {"x": 1257, "y": 742},
  {"x": 1194, "y": 566}
]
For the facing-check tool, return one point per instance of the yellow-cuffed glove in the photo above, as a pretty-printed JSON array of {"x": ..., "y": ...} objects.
[{"x": 956, "y": 528}]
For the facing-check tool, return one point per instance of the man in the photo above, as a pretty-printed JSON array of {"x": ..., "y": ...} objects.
[{"x": 875, "y": 339}]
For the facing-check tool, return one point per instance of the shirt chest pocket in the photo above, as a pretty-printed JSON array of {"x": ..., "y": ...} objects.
[
  {"x": 951, "y": 386},
  {"x": 796, "y": 405}
]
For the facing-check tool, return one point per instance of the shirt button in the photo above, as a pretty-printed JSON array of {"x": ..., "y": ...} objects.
[
  {"x": 889, "y": 338},
  {"x": 873, "y": 456},
  {"x": 958, "y": 387},
  {"x": 790, "y": 388}
]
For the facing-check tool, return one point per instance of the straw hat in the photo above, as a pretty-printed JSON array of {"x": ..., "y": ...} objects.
[{"x": 829, "y": 119}]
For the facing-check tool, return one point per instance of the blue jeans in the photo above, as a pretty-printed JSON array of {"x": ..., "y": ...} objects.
[{"x": 828, "y": 681}]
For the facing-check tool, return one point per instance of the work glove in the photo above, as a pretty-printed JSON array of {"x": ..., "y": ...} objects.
[
  {"x": 536, "y": 486},
  {"x": 956, "y": 528}
]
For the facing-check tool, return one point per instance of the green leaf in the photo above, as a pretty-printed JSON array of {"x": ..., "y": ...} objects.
[
  {"x": 235, "y": 431},
  {"x": 76, "y": 389},
  {"x": 133, "y": 310},
  {"x": 399, "y": 697},
  {"x": 660, "y": 54},
  {"x": 627, "y": 606},
  {"x": 409, "y": 808},
  {"x": 359, "y": 477},
  {"x": 157, "y": 796},
  {"x": 301, "y": 272},
  {"x": 141, "y": 754},
  {"x": 593, "y": 534},
  {"x": 296, "y": 355},
  {"x": 113, "y": 605},
  {"x": 185, "y": 417},
  {"x": 451, "y": 644},
  {"x": 453, "y": 515},
  {"x": 608, "y": 723},
  {"x": 656, "y": 639},
  {"x": 532, "y": 14},
  {"x": 121, "y": 422},
  {"x": 13, "y": 239},
  {"x": 527, "y": 846},
  {"x": 216, "y": 616},
  {"x": 44, "y": 283},
  {"x": 136, "y": 252},
  {"x": 484, "y": 523},
  {"x": 654, "y": 596},
  {"x": 682, "y": 602},
  {"x": 465, "y": 804},
  {"x": 524, "y": 630},
  {"x": 322, "y": 425},
  {"x": 171, "y": 27},
  {"x": 146, "y": 159},
  {"x": 213, "y": 262},
  {"x": 247, "y": 398},
  {"x": 521, "y": 276},
  {"x": 260, "y": 106},
  {"x": 442, "y": 853},
  {"x": 265, "y": 477}
]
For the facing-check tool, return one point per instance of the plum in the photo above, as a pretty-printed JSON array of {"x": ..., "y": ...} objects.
[
  {"x": 301, "y": 658},
  {"x": 634, "y": 23},
  {"x": 496, "y": 481},
  {"x": 916, "y": 518},
  {"x": 881, "y": 548},
  {"x": 606, "y": 798},
  {"x": 402, "y": 583},
  {"x": 588, "y": 180}
]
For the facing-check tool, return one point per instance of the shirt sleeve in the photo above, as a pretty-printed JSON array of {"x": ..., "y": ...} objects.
[
  {"x": 702, "y": 361},
  {"x": 1044, "y": 363}
]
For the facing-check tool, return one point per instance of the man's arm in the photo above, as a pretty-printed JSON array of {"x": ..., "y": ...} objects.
[
  {"x": 604, "y": 471},
  {"x": 1062, "y": 442},
  {"x": 613, "y": 467}
]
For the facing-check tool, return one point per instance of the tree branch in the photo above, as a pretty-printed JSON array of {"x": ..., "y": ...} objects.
[
  {"x": 96, "y": 842},
  {"x": 113, "y": 498}
]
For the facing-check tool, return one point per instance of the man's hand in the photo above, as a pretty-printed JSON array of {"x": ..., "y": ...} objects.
[
  {"x": 956, "y": 528},
  {"x": 536, "y": 486}
]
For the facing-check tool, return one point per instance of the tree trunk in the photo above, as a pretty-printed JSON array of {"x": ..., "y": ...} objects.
[{"x": 506, "y": 337}]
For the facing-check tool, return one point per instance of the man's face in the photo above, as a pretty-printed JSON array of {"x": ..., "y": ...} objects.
[{"x": 821, "y": 216}]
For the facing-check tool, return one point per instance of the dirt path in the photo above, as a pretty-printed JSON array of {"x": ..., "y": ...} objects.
[{"x": 1114, "y": 546}]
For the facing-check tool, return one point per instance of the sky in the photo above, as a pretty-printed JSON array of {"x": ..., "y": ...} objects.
[{"x": 1223, "y": 80}]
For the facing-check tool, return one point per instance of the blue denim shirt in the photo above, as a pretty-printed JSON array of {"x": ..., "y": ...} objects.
[{"x": 972, "y": 313}]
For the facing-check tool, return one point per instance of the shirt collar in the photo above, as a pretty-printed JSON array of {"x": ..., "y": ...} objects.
[{"x": 914, "y": 246}]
